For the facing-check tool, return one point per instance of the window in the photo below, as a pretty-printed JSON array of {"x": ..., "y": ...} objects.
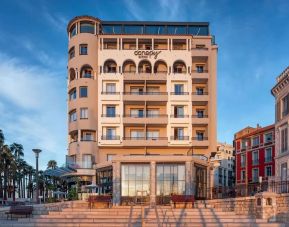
[
  {"x": 109, "y": 157},
  {"x": 268, "y": 154},
  {"x": 255, "y": 157},
  {"x": 284, "y": 140},
  {"x": 170, "y": 179},
  {"x": 268, "y": 171},
  {"x": 179, "y": 89},
  {"x": 87, "y": 136},
  {"x": 110, "y": 133},
  {"x": 72, "y": 31},
  {"x": 152, "y": 135},
  {"x": 86, "y": 161},
  {"x": 83, "y": 113},
  {"x": 83, "y": 49},
  {"x": 83, "y": 92},
  {"x": 110, "y": 44},
  {"x": 137, "y": 113},
  {"x": 200, "y": 136},
  {"x": 179, "y": 111},
  {"x": 200, "y": 90},
  {"x": 285, "y": 105},
  {"x": 199, "y": 68},
  {"x": 243, "y": 175},
  {"x": 200, "y": 113},
  {"x": 136, "y": 134},
  {"x": 135, "y": 180},
  {"x": 268, "y": 137},
  {"x": 71, "y": 52},
  {"x": 255, "y": 175},
  {"x": 72, "y": 116},
  {"x": 86, "y": 27},
  {"x": 86, "y": 72},
  {"x": 284, "y": 171},
  {"x": 243, "y": 160},
  {"x": 179, "y": 134},
  {"x": 109, "y": 66},
  {"x": 255, "y": 141},
  {"x": 136, "y": 90},
  {"x": 110, "y": 111},
  {"x": 153, "y": 113},
  {"x": 244, "y": 144},
  {"x": 110, "y": 88},
  {"x": 72, "y": 94},
  {"x": 153, "y": 90}
]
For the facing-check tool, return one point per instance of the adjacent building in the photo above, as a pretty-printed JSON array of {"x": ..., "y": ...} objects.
[
  {"x": 223, "y": 162},
  {"x": 141, "y": 106},
  {"x": 281, "y": 93},
  {"x": 255, "y": 153}
]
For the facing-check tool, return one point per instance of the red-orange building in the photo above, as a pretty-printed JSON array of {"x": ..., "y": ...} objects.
[{"x": 255, "y": 152}]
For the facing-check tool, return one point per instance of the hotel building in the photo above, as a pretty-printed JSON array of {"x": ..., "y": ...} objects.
[
  {"x": 141, "y": 106},
  {"x": 255, "y": 152},
  {"x": 281, "y": 94}
]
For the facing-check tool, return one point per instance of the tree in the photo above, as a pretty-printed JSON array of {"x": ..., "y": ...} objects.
[{"x": 52, "y": 164}]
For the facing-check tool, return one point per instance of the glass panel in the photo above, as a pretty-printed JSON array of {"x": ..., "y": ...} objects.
[
  {"x": 177, "y": 30},
  {"x": 133, "y": 29},
  {"x": 199, "y": 30},
  {"x": 86, "y": 27},
  {"x": 111, "y": 29},
  {"x": 155, "y": 29}
]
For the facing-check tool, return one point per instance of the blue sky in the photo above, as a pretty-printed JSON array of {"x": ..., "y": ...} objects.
[{"x": 253, "y": 50}]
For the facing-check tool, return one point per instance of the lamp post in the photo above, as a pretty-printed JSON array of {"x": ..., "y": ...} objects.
[{"x": 37, "y": 151}]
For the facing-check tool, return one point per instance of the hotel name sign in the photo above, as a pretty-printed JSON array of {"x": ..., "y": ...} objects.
[{"x": 147, "y": 53}]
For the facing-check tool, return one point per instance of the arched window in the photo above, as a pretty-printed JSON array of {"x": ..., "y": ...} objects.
[
  {"x": 160, "y": 67},
  {"x": 179, "y": 67},
  {"x": 144, "y": 67},
  {"x": 86, "y": 71},
  {"x": 72, "y": 75},
  {"x": 129, "y": 66},
  {"x": 109, "y": 66}
]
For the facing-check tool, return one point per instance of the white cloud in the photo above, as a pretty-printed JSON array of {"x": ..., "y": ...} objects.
[{"x": 34, "y": 100}]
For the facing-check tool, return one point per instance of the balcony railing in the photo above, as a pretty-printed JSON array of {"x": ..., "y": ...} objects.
[
  {"x": 200, "y": 93},
  {"x": 145, "y": 138},
  {"x": 145, "y": 93},
  {"x": 200, "y": 138},
  {"x": 179, "y": 116},
  {"x": 199, "y": 48},
  {"x": 200, "y": 71},
  {"x": 179, "y": 93},
  {"x": 145, "y": 116},
  {"x": 110, "y": 115},
  {"x": 110, "y": 93},
  {"x": 180, "y": 137},
  {"x": 106, "y": 137},
  {"x": 87, "y": 140},
  {"x": 200, "y": 116}
]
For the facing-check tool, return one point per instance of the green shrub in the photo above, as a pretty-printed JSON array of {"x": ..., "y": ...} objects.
[{"x": 72, "y": 194}]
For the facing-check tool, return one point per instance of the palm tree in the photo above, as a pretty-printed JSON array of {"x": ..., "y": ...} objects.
[
  {"x": 17, "y": 150},
  {"x": 7, "y": 161},
  {"x": 52, "y": 164}
]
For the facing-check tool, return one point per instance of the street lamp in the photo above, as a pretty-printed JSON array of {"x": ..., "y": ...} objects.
[{"x": 37, "y": 151}]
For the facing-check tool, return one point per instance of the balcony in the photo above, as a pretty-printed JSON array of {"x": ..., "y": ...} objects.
[
  {"x": 133, "y": 76},
  {"x": 114, "y": 96},
  {"x": 180, "y": 138},
  {"x": 200, "y": 52},
  {"x": 200, "y": 141},
  {"x": 145, "y": 96},
  {"x": 200, "y": 97},
  {"x": 84, "y": 145},
  {"x": 148, "y": 119},
  {"x": 200, "y": 76},
  {"x": 200, "y": 119},
  {"x": 145, "y": 141},
  {"x": 109, "y": 118},
  {"x": 179, "y": 119},
  {"x": 179, "y": 96}
]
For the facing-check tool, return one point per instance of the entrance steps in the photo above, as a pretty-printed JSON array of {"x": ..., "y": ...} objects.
[{"x": 137, "y": 216}]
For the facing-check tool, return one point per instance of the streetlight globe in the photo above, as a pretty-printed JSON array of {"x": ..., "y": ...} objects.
[{"x": 36, "y": 151}]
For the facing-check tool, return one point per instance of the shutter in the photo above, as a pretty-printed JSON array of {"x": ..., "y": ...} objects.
[{"x": 278, "y": 111}]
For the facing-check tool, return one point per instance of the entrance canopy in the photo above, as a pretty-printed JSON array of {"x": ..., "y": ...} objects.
[{"x": 59, "y": 172}]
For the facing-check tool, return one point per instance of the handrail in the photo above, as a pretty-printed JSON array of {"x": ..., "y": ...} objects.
[
  {"x": 145, "y": 93},
  {"x": 200, "y": 93},
  {"x": 179, "y": 116}
]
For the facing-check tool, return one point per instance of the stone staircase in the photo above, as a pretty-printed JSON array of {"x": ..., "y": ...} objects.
[{"x": 134, "y": 216}]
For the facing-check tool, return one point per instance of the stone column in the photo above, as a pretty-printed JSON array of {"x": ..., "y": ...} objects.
[
  {"x": 116, "y": 183},
  {"x": 153, "y": 183},
  {"x": 188, "y": 178},
  {"x": 266, "y": 206}
]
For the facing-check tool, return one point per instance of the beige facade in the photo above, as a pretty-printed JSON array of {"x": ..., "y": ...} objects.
[
  {"x": 281, "y": 94},
  {"x": 143, "y": 94},
  {"x": 224, "y": 165}
]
